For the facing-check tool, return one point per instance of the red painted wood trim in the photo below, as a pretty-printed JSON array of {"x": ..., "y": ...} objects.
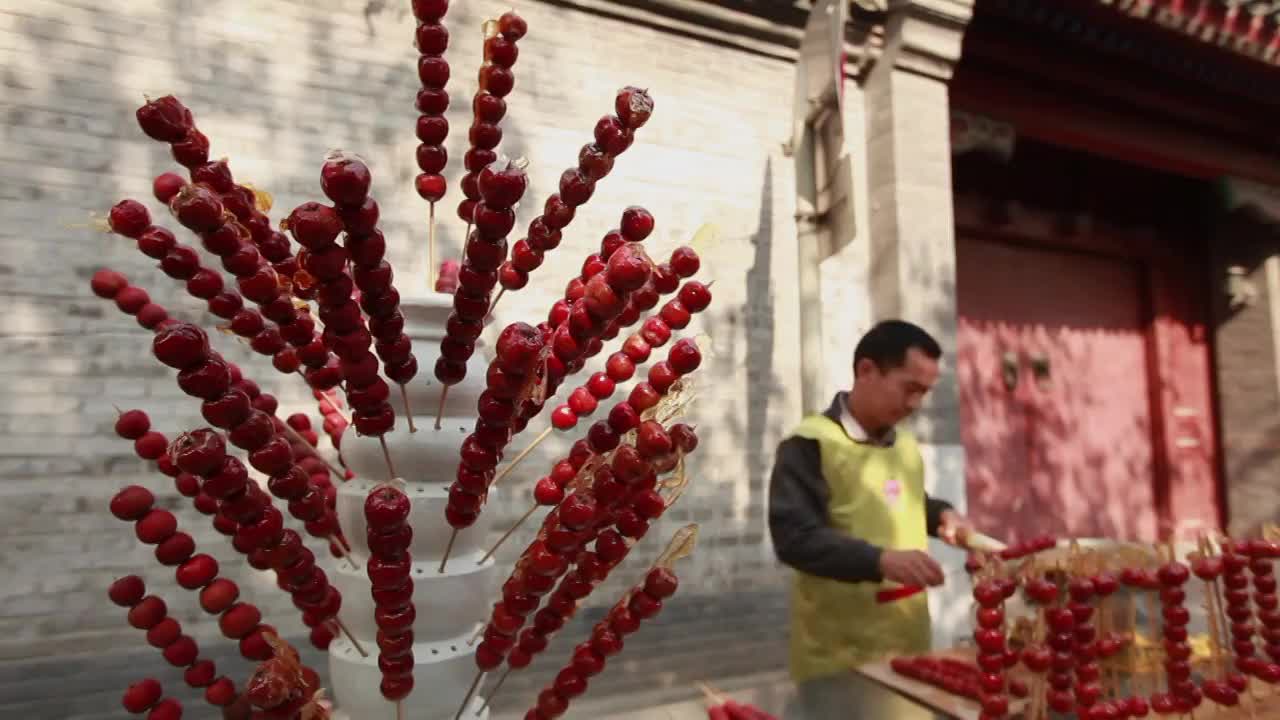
[{"x": 1100, "y": 131}]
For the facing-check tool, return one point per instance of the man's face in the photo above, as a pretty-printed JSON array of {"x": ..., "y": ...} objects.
[{"x": 895, "y": 393}]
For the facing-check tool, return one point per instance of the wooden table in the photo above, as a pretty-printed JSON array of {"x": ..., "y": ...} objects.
[{"x": 939, "y": 701}]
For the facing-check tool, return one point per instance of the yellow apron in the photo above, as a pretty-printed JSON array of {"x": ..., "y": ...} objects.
[{"x": 877, "y": 494}]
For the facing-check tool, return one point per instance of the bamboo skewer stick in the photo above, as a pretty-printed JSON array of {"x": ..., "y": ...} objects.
[
  {"x": 386, "y": 454},
  {"x": 524, "y": 518},
  {"x": 521, "y": 456},
  {"x": 470, "y": 692}
]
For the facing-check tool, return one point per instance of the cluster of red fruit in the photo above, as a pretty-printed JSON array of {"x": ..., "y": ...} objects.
[
  {"x": 334, "y": 422},
  {"x": 281, "y": 688},
  {"x": 1071, "y": 657},
  {"x": 146, "y": 696},
  {"x": 230, "y": 400},
  {"x": 131, "y": 219},
  {"x": 675, "y": 314},
  {"x": 487, "y": 107},
  {"x": 432, "y": 39},
  {"x": 242, "y": 510},
  {"x": 204, "y": 374},
  {"x": 1240, "y": 566},
  {"x": 178, "y": 549},
  {"x": 642, "y": 603},
  {"x": 149, "y": 612},
  {"x": 1073, "y": 646},
  {"x": 304, "y": 441},
  {"x": 316, "y": 227},
  {"x": 529, "y": 364},
  {"x": 386, "y": 512},
  {"x": 345, "y": 179},
  {"x": 618, "y": 498},
  {"x": 568, "y": 328},
  {"x": 604, "y": 435},
  {"x": 734, "y": 710},
  {"x": 957, "y": 676},
  {"x": 486, "y": 247},
  {"x": 994, "y": 657},
  {"x": 167, "y": 120},
  {"x": 1019, "y": 550},
  {"x": 613, "y": 135},
  {"x": 615, "y": 532},
  {"x": 231, "y": 227}
]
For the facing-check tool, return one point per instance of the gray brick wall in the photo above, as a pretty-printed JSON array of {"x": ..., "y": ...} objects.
[
  {"x": 275, "y": 85},
  {"x": 1248, "y": 396}
]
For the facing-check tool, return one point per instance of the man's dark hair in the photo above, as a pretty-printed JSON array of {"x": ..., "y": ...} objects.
[{"x": 887, "y": 344}]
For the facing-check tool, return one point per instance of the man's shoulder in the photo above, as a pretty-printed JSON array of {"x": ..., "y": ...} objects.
[
  {"x": 817, "y": 426},
  {"x": 797, "y": 451}
]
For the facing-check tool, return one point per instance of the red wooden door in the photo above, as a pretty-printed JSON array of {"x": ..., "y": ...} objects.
[{"x": 1068, "y": 449}]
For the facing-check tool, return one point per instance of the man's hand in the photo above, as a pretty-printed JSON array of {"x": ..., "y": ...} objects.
[
  {"x": 953, "y": 528},
  {"x": 910, "y": 567}
]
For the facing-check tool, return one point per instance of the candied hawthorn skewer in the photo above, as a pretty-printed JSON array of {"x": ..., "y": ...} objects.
[
  {"x": 316, "y": 227},
  {"x": 1183, "y": 694},
  {"x": 613, "y": 135},
  {"x": 230, "y": 402},
  {"x": 1239, "y": 608},
  {"x": 1081, "y": 590},
  {"x": 623, "y": 491},
  {"x": 144, "y": 696},
  {"x": 256, "y": 526},
  {"x": 993, "y": 655},
  {"x": 282, "y": 687},
  {"x": 386, "y": 511},
  {"x": 150, "y": 613},
  {"x": 198, "y": 209},
  {"x": 303, "y": 440},
  {"x": 130, "y": 218},
  {"x": 197, "y": 572},
  {"x": 605, "y": 296},
  {"x": 620, "y": 366},
  {"x": 202, "y": 209},
  {"x": 954, "y": 676},
  {"x": 520, "y": 350},
  {"x": 1221, "y": 689},
  {"x": 1261, "y": 554},
  {"x": 162, "y": 120},
  {"x": 242, "y": 511},
  {"x": 511, "y": 403},
  {"x": 345, "y": 179},
  {"x": 488, "y": 107},
  {"x": 619, "y": 527},
  {"x": 432, "y": 39},
  {"x": 110, "y": 284},
  {"x": 604, "y": 435},
  {"x": 1264, "y": 552},
  {"x": 486, "y": 247},
  {"x": 692, "y": 297},
  {"x": 641, "y": 602},
  {"x": 334, "y": 424}
]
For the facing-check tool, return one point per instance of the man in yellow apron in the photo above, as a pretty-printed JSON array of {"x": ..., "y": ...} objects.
[{"x": 848, "y": 511}]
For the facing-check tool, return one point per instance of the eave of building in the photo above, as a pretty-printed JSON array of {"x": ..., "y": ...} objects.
[{"x": 1250, "y": 28}]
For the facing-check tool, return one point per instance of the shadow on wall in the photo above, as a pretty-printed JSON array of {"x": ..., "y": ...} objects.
[{"x": 744, "y": 335}]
